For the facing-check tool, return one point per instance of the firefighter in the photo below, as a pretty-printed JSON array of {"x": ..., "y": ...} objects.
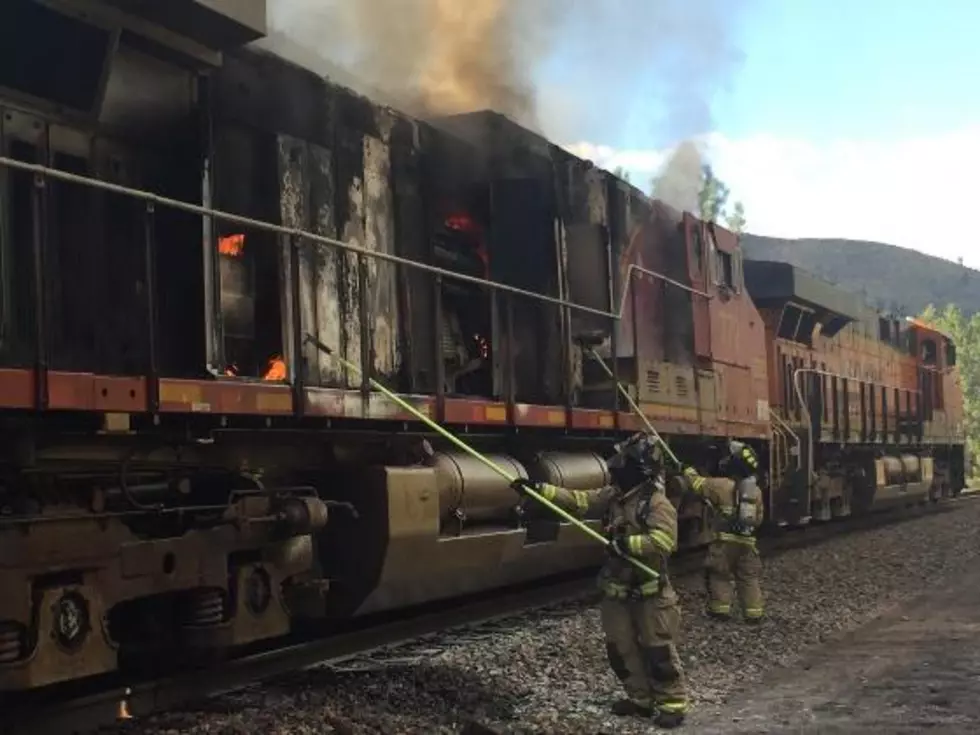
[
  {"x": 737, "y": 511},
  {"x": 640, "y": 616}
]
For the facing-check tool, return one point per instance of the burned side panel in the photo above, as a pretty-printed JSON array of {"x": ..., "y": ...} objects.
[
  {"x": 639, "y": 296},
  {"x": 266, "y": 93},
  {"x": 327, "y": 263},
  {"x": 527, "y": 239},
  {"x": 382, "y": 290},
  {"x": 294, "y": 167},
  {"x": 350, "y": 229},
  {"x": 331, "y": 287},
  {"x": 587, "y": 264},
  {"x": 698, "y": 267},
  {"x": 678, "y": 309},
  {"x": 411, "y": 236}
]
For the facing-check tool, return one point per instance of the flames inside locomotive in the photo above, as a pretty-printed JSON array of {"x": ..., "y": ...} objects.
[{"x": 459, "y": 244}]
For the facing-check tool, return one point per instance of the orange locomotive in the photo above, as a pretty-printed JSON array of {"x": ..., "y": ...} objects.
[{"x": 173, "y": 441}]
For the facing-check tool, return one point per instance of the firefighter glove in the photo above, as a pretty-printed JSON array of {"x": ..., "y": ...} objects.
[
  {"x": 618, "y": 547},
  {"x": 522, "y": 485}
]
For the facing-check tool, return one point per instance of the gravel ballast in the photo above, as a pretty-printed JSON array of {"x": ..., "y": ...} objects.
[{"x": 549, "y": 673}]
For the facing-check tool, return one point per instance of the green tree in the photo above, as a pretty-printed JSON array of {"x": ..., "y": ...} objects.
[
  {"x": 735, "y": 220},
  {"x": 712, "y": 192},
  {"x": 965, "y": 333},
  {"x": 714, "y": 195}
]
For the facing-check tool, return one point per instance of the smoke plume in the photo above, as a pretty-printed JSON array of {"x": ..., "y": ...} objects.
[
  {"x": 679, "y": 181},
  {"x": 593, "y": 70},
  {"x": 435, "y": 57}
]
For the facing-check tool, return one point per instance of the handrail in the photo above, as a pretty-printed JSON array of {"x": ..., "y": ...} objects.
[
  {"x": 797, "y": 387},
  {"x": 788, "y": 429},
  {"x": 634, "y": 268},
  {"x": 148, "y": 196}
]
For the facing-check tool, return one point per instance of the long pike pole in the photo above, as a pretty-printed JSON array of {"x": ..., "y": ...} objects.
[
  {"x": 632, "y": 403},
  {"x": 402, "y": 403}
]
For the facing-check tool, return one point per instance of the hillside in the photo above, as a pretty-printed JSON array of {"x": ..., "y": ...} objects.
[{"x": 891, "y": 277}]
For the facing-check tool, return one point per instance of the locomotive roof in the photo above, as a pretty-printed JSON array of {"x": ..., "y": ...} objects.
[{"x": 773, "y": 284}]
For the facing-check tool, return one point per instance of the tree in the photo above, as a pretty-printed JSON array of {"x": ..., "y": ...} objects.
[
  {"x": 714, "y": 195},
  {"x": 735, "y": 221},
  {"x": 965, "y": 333},
  {"x": 676, "y": 184}
]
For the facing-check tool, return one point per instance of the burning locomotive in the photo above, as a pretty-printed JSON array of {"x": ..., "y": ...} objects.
[{"x": 184, "y": 470}]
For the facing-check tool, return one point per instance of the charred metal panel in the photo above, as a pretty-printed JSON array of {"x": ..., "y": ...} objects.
[
  {"x": 586, "y": 231},
  {"x": 217, "y": 24},
  {"x": 584, "y": 208},
  {"x": 698, "y": 272},
  {"x": 350, "y": 228},
  {"x": 641, "y": 329},
  {"x": 345, "y": 193},
  {"x": 73, "y": 247},
  {"x": 237, "y": 297},
  {"x": 618, "y": 194},
  {"x": 505, "y": 149},
  {"x": 522, "y": 254},
  {"x": 306, "y": 200},
  {"x": 326, "y": 266},
  {"x": 294, "y": 200},
  {"x": 25, "y": 139},
  {"x": 146, "y": 97},
  {"x": 29, "y": 32},
  {"x": 264, "y": 92},
  {"x": 526, "y": 242},
  {"x": 93, "y": 314},
  {"x": 297, "y": 110},
  {"x": 382, "y": 282},
  {"x": 678, "y": 306},
  {"x": 122, "y": 325},
  {"x": 248, "y": 297},
  {"x": 416, "y": 302}
]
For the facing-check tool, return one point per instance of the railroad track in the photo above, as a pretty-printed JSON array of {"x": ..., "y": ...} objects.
[{"x": 84, "y": 713}]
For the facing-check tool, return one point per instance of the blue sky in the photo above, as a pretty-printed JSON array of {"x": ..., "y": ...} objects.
[
  {"x": 864, "y": 68},
  {"x": 854, "y": 119}
]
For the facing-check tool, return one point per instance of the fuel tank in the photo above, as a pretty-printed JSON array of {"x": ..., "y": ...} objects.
[
  {"x": 902, "y": 479},
  {"x": 447, "y": 529},
  {"x": 470, "y": 493},
  {"x": 576, "y": 471},
  {"x": 898, "y": 470}
]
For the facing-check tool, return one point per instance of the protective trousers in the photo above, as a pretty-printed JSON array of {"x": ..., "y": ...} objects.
[
  {"x": 739, "y": 560},
  {"x": 640, "y": 635}
]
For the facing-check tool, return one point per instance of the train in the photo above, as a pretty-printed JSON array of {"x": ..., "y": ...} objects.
[{"x": 185, "y": 218}]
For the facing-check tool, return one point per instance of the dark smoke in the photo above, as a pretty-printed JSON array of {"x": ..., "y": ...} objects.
[
  {"x": 435, "y": 57},
  {"x": 574, "y": 69}
]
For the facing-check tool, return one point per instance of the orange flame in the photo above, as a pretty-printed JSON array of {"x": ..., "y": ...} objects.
[
  {"x": 231, "y": 245},
  {"x": 462, "y": 222},
  {"x": 276, "y": 369}
]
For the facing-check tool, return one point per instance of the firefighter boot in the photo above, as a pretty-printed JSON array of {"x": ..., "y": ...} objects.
[
  {"x": 629, "y": 708},
  {"x": 668, "y": 720}
]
